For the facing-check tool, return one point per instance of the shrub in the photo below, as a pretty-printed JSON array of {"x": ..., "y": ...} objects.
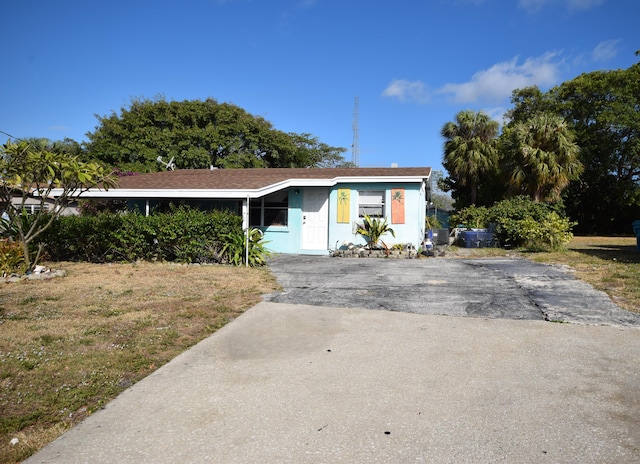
[
  {"x": 521, "y": 222},
  {"x": 11, "y": 258},
  {"x": 183, "y": 235},
  {"x": 432, "y": 222},
  {"x": 372, "y": 229},
  {"x": 473, "y": 217},
  {"x": 234, "y": 248}
]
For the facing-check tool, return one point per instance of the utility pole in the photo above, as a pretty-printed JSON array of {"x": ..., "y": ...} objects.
[{"x": 355, "y": 146}]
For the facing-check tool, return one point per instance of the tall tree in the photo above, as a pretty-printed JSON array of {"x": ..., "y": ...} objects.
[
  {"x": 604, "y": 110},
  {"x": 37, "y": 172},
  {"x": 470, "y": 150},
  {"x": 199, "y": 134},
  {"x": 529, "y": 102},
  {"x": 541, "y": 157}
]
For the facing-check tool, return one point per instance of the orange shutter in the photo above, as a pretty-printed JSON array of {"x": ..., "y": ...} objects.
[{"x": 397, "y": 206}]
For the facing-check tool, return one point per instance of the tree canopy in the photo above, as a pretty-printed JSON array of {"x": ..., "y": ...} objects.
[
  {"x": 33, "y": 171},
  {"x": 541, "y": 157},
  {"x": 200, "y": 134},
  {"x": 470, "y": 149},
  {"x": 604, "y": 109},
  {"x": 600, "y": 184}
]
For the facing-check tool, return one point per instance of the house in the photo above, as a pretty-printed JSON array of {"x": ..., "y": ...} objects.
[
  {"x": 300, "y": 211},
  {"x": 32, "y": 203}
]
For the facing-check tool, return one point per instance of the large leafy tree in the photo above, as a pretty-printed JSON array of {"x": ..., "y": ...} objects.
[
  {"x": 604, "y": 110},
  {"x": 199, "y": 134},
  {"x": 541, "y": 156},
  {"x": 470, "y": 153},
  {"x": 529, "y": 102},
  {"x": 46, "y": 173}
]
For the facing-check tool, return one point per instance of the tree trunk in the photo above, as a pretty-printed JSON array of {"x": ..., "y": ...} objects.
[{"x": 474, "y": 193}]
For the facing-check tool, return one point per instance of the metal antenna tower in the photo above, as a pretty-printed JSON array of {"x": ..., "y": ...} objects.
[{"x": 355, "y": 146}]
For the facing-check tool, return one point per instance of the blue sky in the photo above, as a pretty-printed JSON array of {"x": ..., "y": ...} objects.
[{"x": 300, "y": 64}]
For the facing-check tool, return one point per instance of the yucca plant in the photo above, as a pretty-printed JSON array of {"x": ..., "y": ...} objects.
[
  {"x": 234, "y": 248},
  {"x": 372, "y": 229}
]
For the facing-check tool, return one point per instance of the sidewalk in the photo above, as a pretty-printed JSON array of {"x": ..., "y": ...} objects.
[{"x": 304, "y": 384}]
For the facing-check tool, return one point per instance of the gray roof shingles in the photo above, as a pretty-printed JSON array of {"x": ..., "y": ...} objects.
[{"x": 249, "y": 179}]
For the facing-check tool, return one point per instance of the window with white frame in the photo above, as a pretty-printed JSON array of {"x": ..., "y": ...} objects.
[
  {"x": 270, "y": 210},
  {"x": 371, "y": 203},
  {"x": 33, "y": 208}
]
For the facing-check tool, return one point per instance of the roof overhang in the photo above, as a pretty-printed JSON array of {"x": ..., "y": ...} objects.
[{"x": 122, "y": 193}]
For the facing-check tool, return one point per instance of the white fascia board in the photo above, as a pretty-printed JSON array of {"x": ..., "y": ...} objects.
[
  {"x": 379, "y": 179},
  {"x": 336, "y": 180},
  {"x": 167, "y": 193}
]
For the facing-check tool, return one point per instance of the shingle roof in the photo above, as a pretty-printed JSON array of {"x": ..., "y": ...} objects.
[{"x": 251, "y": 179}]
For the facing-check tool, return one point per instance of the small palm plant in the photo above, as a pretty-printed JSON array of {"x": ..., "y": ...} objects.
[
  {"x": 372, "y": 229},
  {"x": 235, "y": 248}
]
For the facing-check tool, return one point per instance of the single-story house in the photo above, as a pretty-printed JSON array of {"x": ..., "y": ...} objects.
[
  {"x": 33, "y": 203},
  {"x": 300, "y": 211}
]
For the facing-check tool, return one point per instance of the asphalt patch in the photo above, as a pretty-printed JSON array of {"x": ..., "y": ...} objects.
[{"x": 495, "y": 288}]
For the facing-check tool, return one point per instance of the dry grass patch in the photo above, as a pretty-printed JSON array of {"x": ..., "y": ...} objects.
[
  {"x": 69, "y": 345},
  {"x": 610, "y": 264}
]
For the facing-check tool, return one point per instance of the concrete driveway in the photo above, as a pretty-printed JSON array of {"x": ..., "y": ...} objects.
[
  {"x": 507, "y": 288},
  {"x": 314, "y": 383}
]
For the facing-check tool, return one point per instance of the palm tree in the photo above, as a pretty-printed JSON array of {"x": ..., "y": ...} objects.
[
  {"x": 542, "y": 157},
  {"x": 470, "y": 149}
]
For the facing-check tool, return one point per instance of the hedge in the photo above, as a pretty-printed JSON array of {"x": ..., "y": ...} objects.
[{"x": 181, "y": 235}]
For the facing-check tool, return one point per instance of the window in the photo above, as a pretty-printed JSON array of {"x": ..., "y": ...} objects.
[
  {"x": 271, "y": 210},
  {"x": 371, "y": 203},
  {"x": 33, "y": 209}
]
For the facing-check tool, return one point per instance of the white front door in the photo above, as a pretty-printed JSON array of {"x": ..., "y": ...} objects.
[{"x": 315, "y": 219}]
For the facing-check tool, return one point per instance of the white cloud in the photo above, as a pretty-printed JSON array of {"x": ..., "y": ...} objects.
[
  {"x": 306, "y": 3},
  {"x": 583, "y": 4},
  {"x": 605, "y": 50},
  {"x": 495, "y": 84},
  {"x": 405, "y": 90},
  {"x": 496, "y": 113},
  {"x": 533, "y": 6}
]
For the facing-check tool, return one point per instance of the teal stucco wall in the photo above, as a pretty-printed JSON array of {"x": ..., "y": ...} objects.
[
  {"x": 412, "y": 231},
  {"x": 289, "y": 239}
]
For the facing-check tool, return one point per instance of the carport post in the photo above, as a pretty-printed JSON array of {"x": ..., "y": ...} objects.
[{"x": 245, "y": 227}]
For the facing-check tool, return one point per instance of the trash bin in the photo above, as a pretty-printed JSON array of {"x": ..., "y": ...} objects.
[
  {"x": 470, "y": 239},
  {"x": 485, "y": 239},
  {"x": 442, "y": 237}
]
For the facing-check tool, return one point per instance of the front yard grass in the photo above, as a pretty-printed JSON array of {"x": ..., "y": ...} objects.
[{"x": 70, "y": 345}]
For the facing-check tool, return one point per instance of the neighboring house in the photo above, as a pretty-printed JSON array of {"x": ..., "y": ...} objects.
[
  {"x": 300, "y": 211},
  {"x": 33, "y": 204}
]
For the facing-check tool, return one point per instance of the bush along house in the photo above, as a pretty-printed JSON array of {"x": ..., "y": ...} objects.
[{"x": 300, "y": 211}]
